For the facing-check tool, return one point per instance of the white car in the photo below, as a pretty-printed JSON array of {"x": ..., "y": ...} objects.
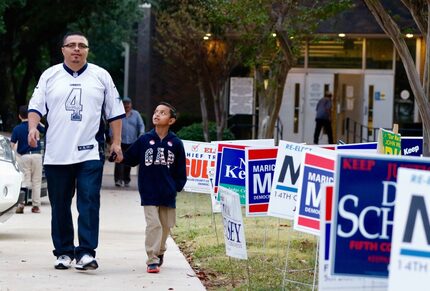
[{"x": 10, "y": 180}]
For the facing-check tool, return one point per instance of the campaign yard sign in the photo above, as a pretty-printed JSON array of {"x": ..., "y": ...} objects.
[
  {"x": 260, "y": 165},
  {"x": 364, "y": 197},
  {"x": 368, "y": 147},
  {"x": 410, "y": 249},
  {"x": 234, "y": 233},
  {"x": 412, "y": 146},
  {"x": 283, "y": 195},
  {"x": 200, "y": 158},
  {"x": 318, "y": 167},
  {"x": 389, "y": 143},
  {"x": 233, "y": 171},
  {"x": 327, "y": 281},
  {"x": 237, "y": 144}
]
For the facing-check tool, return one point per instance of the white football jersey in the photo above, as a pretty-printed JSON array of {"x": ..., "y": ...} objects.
[{"x": 73, "y": 104}]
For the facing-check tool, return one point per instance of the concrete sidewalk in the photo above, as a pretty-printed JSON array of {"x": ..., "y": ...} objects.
[{"x": 26, "y": 260}]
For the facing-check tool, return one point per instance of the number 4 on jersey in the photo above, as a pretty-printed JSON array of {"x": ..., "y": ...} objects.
[{"x": 73, "y": 103}]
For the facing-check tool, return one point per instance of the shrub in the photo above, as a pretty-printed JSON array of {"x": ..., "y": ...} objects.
[{"x": 194, "y": 132}]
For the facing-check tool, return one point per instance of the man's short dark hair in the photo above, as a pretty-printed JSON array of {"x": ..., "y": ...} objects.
[
  {"x": 73, "y": 33},
  {"x": 327, "y": 94},
  {"x": 23, "y": 111},
  {"x": 173, "y": 113}
]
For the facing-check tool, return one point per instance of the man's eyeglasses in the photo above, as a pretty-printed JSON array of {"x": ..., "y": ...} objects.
[{"x": 73, "y": 45}]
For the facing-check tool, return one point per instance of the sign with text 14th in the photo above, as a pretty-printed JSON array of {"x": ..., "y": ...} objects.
[
  {"x": 410, "y": 248},
  {"x": 283, "y": 195},
  {"x": 234, "y": 233},
  {"x": 364, "y": 199},
  {"x": 317, "y": 169},
  {"x": 260, "y": 165}
]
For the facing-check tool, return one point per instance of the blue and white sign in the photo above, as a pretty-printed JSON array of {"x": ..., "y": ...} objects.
[
  {"x": 283, "y": 195},
  {"x": 364, "y": 198},
  {"x": 410, "y": 249},
  {"x": 234, "y": 233}
]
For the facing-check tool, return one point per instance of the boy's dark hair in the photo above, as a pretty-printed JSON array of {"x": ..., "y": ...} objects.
[
  {"x": 173, "y": 113},
  {"x": 23, "y": 111},
  {"x": 73, "y": 33}
]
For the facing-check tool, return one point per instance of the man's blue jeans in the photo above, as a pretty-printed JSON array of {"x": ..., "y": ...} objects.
[{"x": 86, "y": 178}]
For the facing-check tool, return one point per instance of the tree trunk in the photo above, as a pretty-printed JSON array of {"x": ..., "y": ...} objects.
[
  {"x": 204, "y": 111},
  {"x": 392, "y": 30}
]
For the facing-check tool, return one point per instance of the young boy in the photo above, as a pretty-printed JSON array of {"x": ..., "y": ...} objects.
[{"x": 160, "y": 155}]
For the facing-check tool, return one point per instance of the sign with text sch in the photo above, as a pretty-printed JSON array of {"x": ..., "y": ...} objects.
[
  {"x": 234, "y": 233},
  {"x": 364, "y": 198},
  {"x": 410, "y": 248},
  {"x": 260, "y": 165},
  {"x": 200, "y": 158},
  {"x": 283, "y": 195},
  {"x": 327, "y": 281},
  {"x": 318, "y": 167}
]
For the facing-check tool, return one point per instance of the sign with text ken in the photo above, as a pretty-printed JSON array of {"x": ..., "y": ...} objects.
[
  {"x": 260, "y": 164},
  {"x": 365, "y": 194},
  {"x": 410, "y": 249},
  {"x": 317, "y": 169},
  {"x": 232, "y": 171}
]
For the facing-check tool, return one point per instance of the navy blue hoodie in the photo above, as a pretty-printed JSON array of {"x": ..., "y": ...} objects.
[{"x": 162, "y": 170}]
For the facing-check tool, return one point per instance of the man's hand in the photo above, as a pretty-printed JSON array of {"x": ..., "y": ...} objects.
[
  {"x": 115, "y": 148},
  {"x": 33, "y": 137}
]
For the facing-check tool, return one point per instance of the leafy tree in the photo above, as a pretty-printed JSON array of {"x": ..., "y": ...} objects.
[
  {"x": 193, "y": 39},
  {"x": 419, "y": 10},
  {"x": 32, "y": 34}
]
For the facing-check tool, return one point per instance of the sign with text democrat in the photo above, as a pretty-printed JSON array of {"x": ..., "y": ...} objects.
[
  {"x": 327, "y": 281},
  {"x": 237, "y": 144},
  {"x": 365, "y": 191},
  {"x": 410, "y": 248},
  {"x": 260, "y": 165},
  {"x": 317, "y": 169},
  {"x": 412, "y": 146},
  {"x": 200, "y": 156},
  {"x": 234, "y": 233},
  {"x": 233, "y": 171},
  {"x": 389, "y": 143},
  {"x": 283, "y": 195}
]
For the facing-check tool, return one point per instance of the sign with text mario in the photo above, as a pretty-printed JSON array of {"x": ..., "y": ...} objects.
[
  {"x": 410, "y": 250},
  {"x": 260, "y": 164},
  {"x": 318, "y": 167},
  {"x": 365, "y": 193},
  {"x": 200, "y": 156}
]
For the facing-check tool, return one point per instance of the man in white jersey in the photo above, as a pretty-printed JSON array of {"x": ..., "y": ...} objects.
[{"x": 75, "y": 96}]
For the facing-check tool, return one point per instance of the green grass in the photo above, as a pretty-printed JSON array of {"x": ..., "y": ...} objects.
[{"x": 199, "y": 234}]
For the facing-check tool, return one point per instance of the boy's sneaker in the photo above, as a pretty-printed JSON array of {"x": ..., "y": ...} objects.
[
  {"x": 63, "y": 262},
  {"x": 87, "y": 262},
  {"x": 161, "y": 257},
  {"x": 20, "y": 208},
  {"x": 153, "y": 268}
]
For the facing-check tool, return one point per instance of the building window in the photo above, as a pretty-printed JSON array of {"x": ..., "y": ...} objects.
[
  {"x": 379, "y": 54},
  {"x": 341, "y": 53}
]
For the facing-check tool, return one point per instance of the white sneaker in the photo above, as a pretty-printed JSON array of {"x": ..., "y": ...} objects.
[
  {"x": 63, "y": 262},
  {"x": 87, "y": 262}
]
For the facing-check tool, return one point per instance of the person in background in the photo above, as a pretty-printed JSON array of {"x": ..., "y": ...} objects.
[
  {"x": 160, "y": 155},
  {"x": 76, "y": 97},
  {"x": 30, "y": 159},
  {"x": 323, "y": 118},
  {"x": 132, "y": 128}
]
